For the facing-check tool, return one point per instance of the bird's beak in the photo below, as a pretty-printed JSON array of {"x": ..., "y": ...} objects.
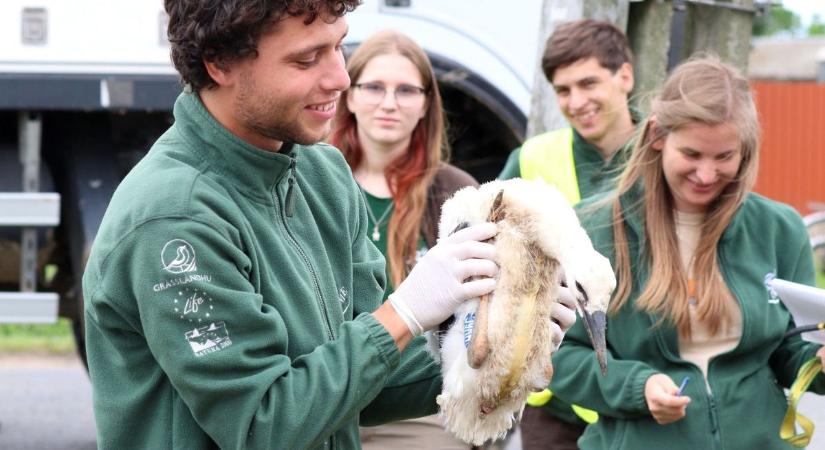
[{"x": 596, "y": 326}]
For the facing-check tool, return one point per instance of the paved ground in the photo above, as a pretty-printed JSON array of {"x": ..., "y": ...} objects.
[
  {"x": 813, "y": 407},
  {"x": 46, "y": 405}
]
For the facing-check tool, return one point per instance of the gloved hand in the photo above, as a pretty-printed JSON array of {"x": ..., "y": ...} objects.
[
  {"x": 441, "y": 280},
  {"x": 563, "y": 314}
]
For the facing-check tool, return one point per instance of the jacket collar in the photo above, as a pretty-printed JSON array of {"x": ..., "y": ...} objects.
[
  {"x": 251, "y": 169},
  {"x": 621, "y": 154}
]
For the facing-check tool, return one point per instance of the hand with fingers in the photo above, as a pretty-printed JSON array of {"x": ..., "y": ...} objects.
[
  {"x": 663, "y": 399},
  {"x": 460, "y": 267}
]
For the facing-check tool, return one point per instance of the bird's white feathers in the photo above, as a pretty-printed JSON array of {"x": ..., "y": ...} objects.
[{"x": 540, "y": 241}]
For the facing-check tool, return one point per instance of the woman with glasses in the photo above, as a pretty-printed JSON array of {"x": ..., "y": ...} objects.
[{"x": 390, "y": 127}]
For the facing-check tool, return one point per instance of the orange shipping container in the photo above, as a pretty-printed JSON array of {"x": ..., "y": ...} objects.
[{"x": 792, "y": 159}]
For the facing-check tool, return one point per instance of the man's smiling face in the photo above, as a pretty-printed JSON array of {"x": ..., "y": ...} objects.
[{"x": 289, "y": 91}]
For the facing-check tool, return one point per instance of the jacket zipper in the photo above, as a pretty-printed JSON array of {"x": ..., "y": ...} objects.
[
  {"x": 289, "y": 210},
  {"x": 289, "y": 203},
  {"x": 288, "y": 207},
  {"x": 713, "y": 411},
  {"x": 714, "y": 421}
]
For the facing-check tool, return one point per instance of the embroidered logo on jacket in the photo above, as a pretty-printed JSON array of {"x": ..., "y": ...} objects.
[
  {"x": 773, "y": 296},
  {"x": 164, "y": 285},
  {"x": 208, "y": 339},
  {"x": 193, "y": 304},
  {"x": 342, "y": 298},
  {"x": 178, "y": 256}
]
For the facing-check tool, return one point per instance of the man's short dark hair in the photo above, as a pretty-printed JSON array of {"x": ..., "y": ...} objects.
[
  {"x": 582, "y": 39},
  {"x": 227, "y": 31}
]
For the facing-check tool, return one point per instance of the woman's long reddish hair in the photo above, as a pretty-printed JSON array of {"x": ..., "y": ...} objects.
[{"x": 410, "y": 175}]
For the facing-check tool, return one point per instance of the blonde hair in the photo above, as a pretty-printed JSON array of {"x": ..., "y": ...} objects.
[
  {"x": 700, "y": 91},
  {"x": 411, "y": 174}
]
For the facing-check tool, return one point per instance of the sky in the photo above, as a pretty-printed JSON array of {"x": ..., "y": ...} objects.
[{"x": 806, "y": 9}]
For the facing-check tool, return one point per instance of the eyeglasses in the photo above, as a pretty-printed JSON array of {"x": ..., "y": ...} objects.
[{"x": 406, "y": 96}]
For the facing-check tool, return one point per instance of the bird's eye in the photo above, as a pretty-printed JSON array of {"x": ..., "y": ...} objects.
[{"x": 460, "y": 227}]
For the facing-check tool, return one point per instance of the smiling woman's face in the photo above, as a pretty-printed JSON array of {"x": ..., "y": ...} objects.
[
  {"x": 387, "y": 124},
  {"x": 699, "y": 161}
]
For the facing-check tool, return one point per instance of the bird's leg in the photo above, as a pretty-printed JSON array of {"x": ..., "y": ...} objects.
[
  {"x": 479, "y": 345},
  {"x": 522, "y": 335},
  {"x": 536, "y": 287}
]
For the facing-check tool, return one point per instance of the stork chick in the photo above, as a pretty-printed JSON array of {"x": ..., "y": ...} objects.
[{"x": 499, "y": 348}]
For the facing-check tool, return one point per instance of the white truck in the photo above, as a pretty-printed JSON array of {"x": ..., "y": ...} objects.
[{"x": 86, "y": 86}]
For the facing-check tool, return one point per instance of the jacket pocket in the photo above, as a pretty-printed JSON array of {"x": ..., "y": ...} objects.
[{"x": 606, "y": 434}]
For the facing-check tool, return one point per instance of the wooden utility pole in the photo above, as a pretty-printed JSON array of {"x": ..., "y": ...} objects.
[{"x": 662, "y": 33}]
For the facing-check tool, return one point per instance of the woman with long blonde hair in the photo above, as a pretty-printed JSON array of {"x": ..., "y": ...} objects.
[{"x": 692, "y": 248}]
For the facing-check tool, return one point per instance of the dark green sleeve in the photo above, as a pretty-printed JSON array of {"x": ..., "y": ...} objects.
[
  {"x": 411, "y": 390},
  {"x": 512, "y": 169},
  {"x": 251, "y": 393},
  {"x": 577, "y": 378}
]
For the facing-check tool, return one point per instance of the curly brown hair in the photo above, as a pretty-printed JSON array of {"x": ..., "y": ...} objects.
[
  {"x": 227, "y": 31},
  {"x": 586, "y": 38}
]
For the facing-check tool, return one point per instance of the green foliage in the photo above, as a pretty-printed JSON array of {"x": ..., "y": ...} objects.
[
  {"x": 56, "y": 339},
  {"x": 776, "y": 20},
  {"x": 817, "y": 26}
]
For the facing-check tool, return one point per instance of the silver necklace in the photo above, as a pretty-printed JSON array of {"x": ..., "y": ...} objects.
[{"x": 376, "y": 234}]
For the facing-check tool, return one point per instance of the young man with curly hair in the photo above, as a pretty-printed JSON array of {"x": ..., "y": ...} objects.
[{"x": 233, "y": 298}]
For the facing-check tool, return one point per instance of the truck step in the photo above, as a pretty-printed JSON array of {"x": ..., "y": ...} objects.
[
  {"x": 28, "y": 307},
  {"x": 27, "y": 209}
]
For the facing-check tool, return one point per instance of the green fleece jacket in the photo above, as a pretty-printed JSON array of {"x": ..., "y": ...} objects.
[
  {"x": 745, "y": 404},
  {"x": 227, "y": 295}
]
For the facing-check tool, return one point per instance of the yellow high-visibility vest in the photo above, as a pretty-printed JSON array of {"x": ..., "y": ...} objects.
[{"x": 549, "y": 156}]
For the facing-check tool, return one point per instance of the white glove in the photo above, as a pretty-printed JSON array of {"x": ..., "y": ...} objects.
[
  {"x": 442, "y": 278},
  {"x": 563, "y": 314}
]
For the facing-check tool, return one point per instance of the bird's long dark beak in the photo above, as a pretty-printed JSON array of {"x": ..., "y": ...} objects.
[{"x": 596, "y": 326}]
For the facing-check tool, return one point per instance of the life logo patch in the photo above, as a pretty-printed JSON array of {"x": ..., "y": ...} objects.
[
  {"x": 178, "y": 256},
  {"x": 342, "y": 298}
]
